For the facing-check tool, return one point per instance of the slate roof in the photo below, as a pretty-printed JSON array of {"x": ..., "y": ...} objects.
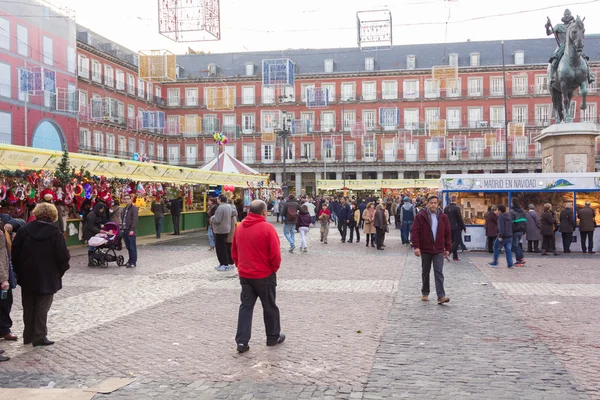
[{"x": 311, "y": 61}]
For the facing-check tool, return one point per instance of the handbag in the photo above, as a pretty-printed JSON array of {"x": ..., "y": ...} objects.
[{"x": 387, "y": 229}]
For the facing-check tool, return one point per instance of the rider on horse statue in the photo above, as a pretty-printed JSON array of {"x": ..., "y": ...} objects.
[{"x": 560, "y": 33}]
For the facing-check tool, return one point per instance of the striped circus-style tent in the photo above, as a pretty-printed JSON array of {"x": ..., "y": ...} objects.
[{"x": 226, "y": 163}]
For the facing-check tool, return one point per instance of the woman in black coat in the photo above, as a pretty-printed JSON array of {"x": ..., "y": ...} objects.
[
  {"x": 491, "y": 228},
  {"x": 93, "y": 225},
  {"x": 548, "y": 227},
  {"x": 40, "y": 259}
]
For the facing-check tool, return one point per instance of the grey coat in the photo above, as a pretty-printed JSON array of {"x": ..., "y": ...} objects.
[
  {"x": 221, "y": 221},
  {"x": 533, "y": 232}
]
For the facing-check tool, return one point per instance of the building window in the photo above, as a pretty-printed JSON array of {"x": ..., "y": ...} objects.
[
  {"x": 369, "y": 120},
  {"x": 267, "y": 153},
  {"x": 150, "y": 149},
  {"x": 475, "y": 117},
  {"x": 474, "y": 59},
  {"x": 327, "y": 121},
  {"x": 174, "y": 152},
  {"x": 109, "y": 79},
  {"x": 369, "y": 64},
  {"x": 309, "y": 116},
  {"x": 476, "y": 148},
  {"x": 85, "y": 139},
  {"x": 453, "y": 118},
  {"x": 520, "y": 114},
  {"x": 497, "y": 116},
  {"x": 519, "y": 86},
  {"x": 4, "y": 34},
  {"x": 453, "y": 87},
  {"x": 23, "y": 41},
  {"x": 96, "y": 71},
  {"x": 248, "y": 95},
  {"x": 369, "y": 149},
  {"x": 270, "y": 120},
  {"x": 453, "y": 60},
  {"x": 432, "y": 115},
  {"x": 541, "y": 84},
  {"x": 191, "y": 97},
  {"x": 329, "y": 66},
  {"x": 249, "y": 69},
  {"x": 248, "y": 153},
  {"x": 84, "y": 66},
  {"x": 330, "y": 87},
  {"x": 411, "y": 62},
  {"x": 497, "y": 86},
  {"x": 590, "y": 114},
  {"x": 542, "y": 114},
  {"x": 98, "y": 141},
  {"x": 160, "y": 152},
  {"x": 157, "y": 92},
  {"x": 122, "y": 145},
  {"x": 173, "y": 97},
  {"x": 71, "y": 59},
  {"x": 141, "y": 91},
  {"x": 348, "y": 91},
  {"x": 432, "y": 88},
  {"x": 475, "y": 87},
  {"x": 389, "y": 90},
  {"x": 120, "y": 80},
  {"x": 248, "y": 123},
  {"x": 131, "y": 86},
  {"x": 131, "y": 145},
  {"x": 48, "y": 51},
  {"x": 110, "y": 144},
  {"x": 5, "y": 80},
  {"x": 411, "y": 89},
  {"x": 389, "y": 118},
  {"x": 5, "y": 128},
  {"x": 307, "y": 151},
  {"x": 519, "y": 57},
  {"x": 349, "y": 120},
  {"x": 411, "y": 119},
  {"x": 229, "y": 126},
  {"x": 268, "y": 95},
  {"x": 369, "y": 91}
]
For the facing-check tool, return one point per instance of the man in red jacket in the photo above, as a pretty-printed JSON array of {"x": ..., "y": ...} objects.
[
  {"x": 256, "y": 253},
  {"x": 432, "y": 242}
]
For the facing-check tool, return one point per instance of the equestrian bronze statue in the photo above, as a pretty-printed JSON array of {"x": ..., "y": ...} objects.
[{"x": 569, "y": 68}]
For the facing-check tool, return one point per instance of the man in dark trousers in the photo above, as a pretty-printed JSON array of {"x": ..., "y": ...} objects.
[
  {"x": 129, "y": 221},
  {"x": 362, "y": 207},
  {"x": 256, "y": 253},
  {"x": 457, "y": 225},
  {"x": 175, "y": 206},
  {"x": 567, "y": 226},
  {"x": 519, "y": 220},
  {"x": 345, "y": 215},
  {"x": 431, "y": 239},
  {"x": 587, "y": 225}
]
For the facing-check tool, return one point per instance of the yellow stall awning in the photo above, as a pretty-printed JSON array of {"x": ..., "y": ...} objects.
[{"x": 19, "y": 157}]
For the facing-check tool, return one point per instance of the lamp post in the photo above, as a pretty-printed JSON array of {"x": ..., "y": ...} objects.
[
  {"x": 285, "y": 133},
  {"x": 505, "y": 111}
]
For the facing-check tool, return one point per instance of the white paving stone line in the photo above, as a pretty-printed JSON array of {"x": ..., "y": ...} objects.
[
  {"x": 549, "y": 289},
  {"x": 123, "y": 297}
]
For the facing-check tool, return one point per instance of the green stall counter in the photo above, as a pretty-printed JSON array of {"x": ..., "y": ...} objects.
[{"x": 188, "y": 221}]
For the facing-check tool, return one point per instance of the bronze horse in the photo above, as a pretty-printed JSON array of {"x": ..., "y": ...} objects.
[{"x": 572, "y": 73}]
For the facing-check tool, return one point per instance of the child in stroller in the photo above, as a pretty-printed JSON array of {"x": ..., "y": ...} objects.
[{"x": 106, "y": 245}]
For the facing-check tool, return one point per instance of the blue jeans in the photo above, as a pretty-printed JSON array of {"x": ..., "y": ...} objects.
[
  {"x": 158, "y": 221},
  {"x": 405, "y": 231},
  {"x": 288, "y": 232},
  {"x": 507, "y": 244},
  {"x": 516, "y": 245},
  {"x": 130, "y": 244},
  {"x": 211, "y": 237}
]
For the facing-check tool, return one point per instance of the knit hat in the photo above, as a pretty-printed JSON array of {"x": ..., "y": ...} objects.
[{"x": 531, "y": 207}]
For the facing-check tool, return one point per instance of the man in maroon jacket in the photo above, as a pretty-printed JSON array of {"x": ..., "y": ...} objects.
[
  {"x": 432, "y": 242},
  {"x": 256, "y": 253}
]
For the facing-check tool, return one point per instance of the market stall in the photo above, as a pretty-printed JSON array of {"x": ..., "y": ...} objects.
[
  {"x": 475, "y": 193},
  {"x": 32, "y": 175},
  {"x": 381, "y": 188}
]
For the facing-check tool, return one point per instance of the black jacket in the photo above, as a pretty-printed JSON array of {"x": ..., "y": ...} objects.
[
  {"x": 40, "y": 257},
  {"x": 93, "y": 221},
  {"x": 175, "y": 206},
  {"x": 567, "y": 223},
  {"x": 455, "y": 217}
]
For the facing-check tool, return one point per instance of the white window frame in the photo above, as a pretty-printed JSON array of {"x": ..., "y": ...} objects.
[
  {"x": 327, "y": 121},
  {"x": 474, "y": 122},
  {"x": 122, "y": 143},
  {"x": 475, "y": 86},
  {"x": 349, "y": 118},
  {"x": 330, "y": 86},
  {"x": 475, "y": 60},
  {"x": 307, "y": 151},
  {"x": 120, "y": 77},
  {"x": 519, "y": 57},
  {"x": 456, "y": 90},
  {"x": 411, "y": 61},
  {"x": 453, "y": 123},
  {"x": 348, "y": 91},
  {"x": 5, "y": 80},
  {"x": 453, "y": 59},
  {"x": 110, "y": 143},
  {"x": 173, "y": 97},
  {"x": 541, "y": 84},
  {"x": 98, "y": 141},
  {"x": 520, "y": 113},
  {"x": 369, "y": 64},
  {"x": 431, "y": 88},
  {"x": 83, "y": 66},
  {"x": 71, "y": 59},
  {"x": 497, "y": 116},
  {"x": 410, "y": 89},
  {"x": 476, "y": 148},
  {"x": 229, "y": 125},
  {"x": 369, "y": 91},
  {"x": 173, "y": 153},
  {"x": 151, "y": 150},
  {"x": 267, "y": 153},
  {"x": 5, "y": 127},
  {"x": 268, "y": 95},
  {"x": 23, "y": 40},
  {"x": 141, "y": 88},
  {"x": 350, "y": 151},
  {"x": 590, "y": 114},
  {"x": 191, "y": 97},
  {"x": 369, "y": 119},
  {"x": 48, "y": 50},
  {"x": 248, "y": 95},
  {"x": 131, "y": 85},
  {"x": 389, "y": 90},
  {"x": 109, "y": 76},
  {"x": 328, "y": 66},
  {"x": 85, "y": 139},
  {"x": 160, "y": 152},
  {"x": 249, "y": 153},
  {"x": 543, "y": 114},
  {"x": 519, "y": 85},
  {"x": 96, "y": 71},
  {"x": 496, "y": 86},
  {"x": 309, "y": 116},
  {"x": 411, "y": 118},
  {"x": 270, "y": 120},
  {"x": 248, "y": 123}
]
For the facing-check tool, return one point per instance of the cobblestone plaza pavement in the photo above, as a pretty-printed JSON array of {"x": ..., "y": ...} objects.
[{"x": 355, "y": 327}]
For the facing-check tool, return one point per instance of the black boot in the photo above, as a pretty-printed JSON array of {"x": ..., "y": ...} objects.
[
  {"x": 372, "y": 240},
  {"x": 367, "y": 245},
  {"x": 91, "y": 261}
]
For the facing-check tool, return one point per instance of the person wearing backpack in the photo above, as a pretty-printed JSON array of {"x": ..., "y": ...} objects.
[
  {"x": 519, "y": 224},
  {"x": 290, "y": 212},
  {"x": 406, "y": 216}
]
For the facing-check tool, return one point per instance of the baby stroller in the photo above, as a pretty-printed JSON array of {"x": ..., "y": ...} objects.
[{"x": 106, "y": 248}]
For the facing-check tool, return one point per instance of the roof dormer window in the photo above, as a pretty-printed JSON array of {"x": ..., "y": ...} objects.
[
  {"x": 369, "y": 64},
  {"x": 475, "y": 60},
  {"x": 519, "y": 57},
  {"x": 328, "y": 66},
  {"x": 411, "y": 62},
  {"x": 453, "y": 60}
]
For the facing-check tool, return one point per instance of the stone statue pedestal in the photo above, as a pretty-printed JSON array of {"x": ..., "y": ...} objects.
[{"x": 569, "y": 147}]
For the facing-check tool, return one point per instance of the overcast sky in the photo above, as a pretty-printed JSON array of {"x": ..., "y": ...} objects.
[{"x": 252, "y": 25}]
